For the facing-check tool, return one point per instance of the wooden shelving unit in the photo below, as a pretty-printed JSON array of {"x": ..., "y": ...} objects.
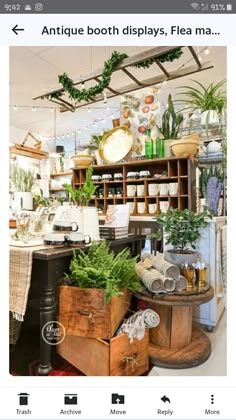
[
  {"x": 181, "y": 170},
  {"x": 61, "y": 174}
]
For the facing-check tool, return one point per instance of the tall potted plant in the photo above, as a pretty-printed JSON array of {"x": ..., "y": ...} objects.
[
  {"x": 23, "y": 181},
  {"x": 211, "y": 101},
  {"x": 171, "y": 121},
  {"x": 181, "y": 229},
  {"x": 86, "y": 216}
]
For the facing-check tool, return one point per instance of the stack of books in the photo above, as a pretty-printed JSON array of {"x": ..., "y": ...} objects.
[{"x": 108, "y": 232}]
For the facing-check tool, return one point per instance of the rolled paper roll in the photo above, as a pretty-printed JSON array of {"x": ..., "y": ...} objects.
[
  {"x": 139, "y": 270},
  {"x": 180, "y": 283},
  {"x": 136, "y": 324},
  {"x": 164, "y": 267},
  {"x": 169, "y": 285},
  {"x": 152, "y": 280}
]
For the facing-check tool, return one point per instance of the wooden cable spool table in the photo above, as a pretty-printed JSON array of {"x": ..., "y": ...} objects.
[{"x": 175, "y": 343}]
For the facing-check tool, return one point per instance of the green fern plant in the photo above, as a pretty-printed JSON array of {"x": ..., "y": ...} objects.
[{"x": 100, "y": 268}]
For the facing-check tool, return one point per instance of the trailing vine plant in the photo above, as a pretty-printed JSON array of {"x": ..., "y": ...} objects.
[{"x": 109, "y": 67}]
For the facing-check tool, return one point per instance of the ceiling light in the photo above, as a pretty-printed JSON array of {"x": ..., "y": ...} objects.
[
  {"x": 89, "y": 110},
  {"x": 15, "y": 108},
  {"x": 165, "y": 81},
  {"x": 68, "y": 135},
  {"x": 82, "y": 85},
  {"x": 79, "y": 131},
  {"x": 207, "y": 51},
  {"x": 34, "y": 109},
  {"x": 103, "y": 121},
  {"x": 51, "y": 109},
  {"x": 108, "y": 109}
]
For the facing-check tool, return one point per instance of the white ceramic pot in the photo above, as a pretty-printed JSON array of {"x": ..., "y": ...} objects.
[
  {"x": 213, "y": 147},
  {"x": 90, "y": 222},
  {"x": 167, "y": 148},
  {"x": 23, "y": 200},
  {"x": 212, "y": 117},
  {"x": 98, "y": 157}
]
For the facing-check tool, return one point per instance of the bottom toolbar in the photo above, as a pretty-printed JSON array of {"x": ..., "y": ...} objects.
[{"x": 129, "y": 403}]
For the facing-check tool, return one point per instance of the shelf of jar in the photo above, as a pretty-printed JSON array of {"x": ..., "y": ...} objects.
[{"x": 53, "y": 175}]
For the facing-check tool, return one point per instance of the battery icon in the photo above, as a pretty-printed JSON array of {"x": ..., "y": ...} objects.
[{"x": 229, "y": 7}]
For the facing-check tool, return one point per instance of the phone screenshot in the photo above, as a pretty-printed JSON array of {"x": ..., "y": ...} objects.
[{"x": 117, "y": 184}]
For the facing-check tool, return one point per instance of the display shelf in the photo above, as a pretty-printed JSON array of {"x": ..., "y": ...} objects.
[
  {"x": 179, "y": 170},
  {"x": 54, "y": 190},
  {"x": 57, "y": 174}
]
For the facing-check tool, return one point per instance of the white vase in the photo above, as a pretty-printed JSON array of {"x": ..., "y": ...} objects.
[
  {"x": 167, "y": 148},
  {"x": 98, "y": 157},
  {"x": 90, "y": 222},
  {"x": 212, "y": 116},
  {"x": 23, "y": 200}
]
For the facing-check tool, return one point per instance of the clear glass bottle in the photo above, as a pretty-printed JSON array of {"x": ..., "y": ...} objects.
[{"x": 148, "y": 145}]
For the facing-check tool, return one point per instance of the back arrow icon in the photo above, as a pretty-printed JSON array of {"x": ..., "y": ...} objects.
[{"x": 16, "y": 29}]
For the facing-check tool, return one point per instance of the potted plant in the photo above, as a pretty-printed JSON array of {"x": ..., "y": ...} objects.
[
  {"x": 211, "y": 101},
  {"x": 182, "y": 228},
  {"x": 94, "y": 146},
  {"x": 82, "y": 196},
  {"x": 23, "y": 181},
  {"x": 171, "y": 121},
  {"x": 86, "y": 216},
  {"x": 96, "y": 295},
  {"x": 40, "y": 200}
]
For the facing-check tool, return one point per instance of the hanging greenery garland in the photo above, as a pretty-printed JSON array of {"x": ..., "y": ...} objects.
[{"x": 109, "y": 67}]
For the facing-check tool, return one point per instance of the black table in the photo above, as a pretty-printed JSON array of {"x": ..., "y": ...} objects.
[{"x": 49, "y": 266}]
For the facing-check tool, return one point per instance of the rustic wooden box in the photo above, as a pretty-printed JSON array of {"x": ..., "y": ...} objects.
[
  {"x": 83, "y": 312},
  {"x": 96, "y": 357}
]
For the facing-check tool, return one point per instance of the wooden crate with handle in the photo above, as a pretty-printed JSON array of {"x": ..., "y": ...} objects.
[
  {"x": 84, "y": 313},
  {"x": 96, "y": 357}
]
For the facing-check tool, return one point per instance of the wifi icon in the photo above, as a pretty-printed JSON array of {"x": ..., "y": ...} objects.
[{"x": 195, "y": 6}]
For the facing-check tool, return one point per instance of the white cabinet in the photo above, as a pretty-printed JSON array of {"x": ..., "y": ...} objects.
[{"x": 212, "y": 248}]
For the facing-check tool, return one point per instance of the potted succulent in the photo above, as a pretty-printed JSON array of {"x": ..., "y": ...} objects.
[
  {"x": 181, "y": 229},
  {"x": 171, "y": 121},
  {"x": 23, "y": 181},
  {"x": 211, "y": 101},
  {"x": 96, "y": 294}
]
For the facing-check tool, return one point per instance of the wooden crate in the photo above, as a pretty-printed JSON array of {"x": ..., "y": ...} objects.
[
  {"x": 83, "y": 312},
  {"x": 96, "y": 357}
]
